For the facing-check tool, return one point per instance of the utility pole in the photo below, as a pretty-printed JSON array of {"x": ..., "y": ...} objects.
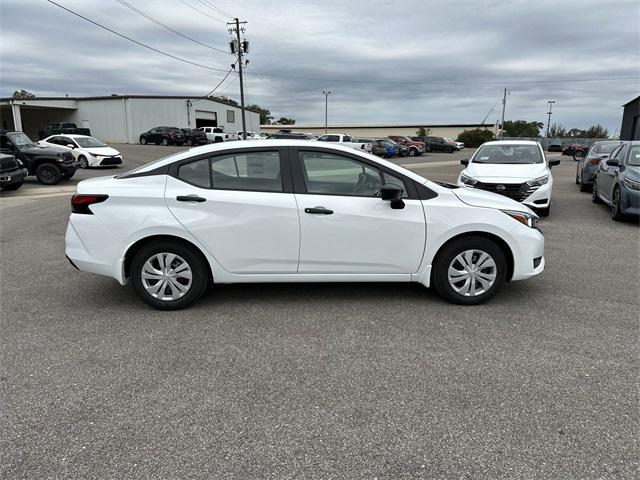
[
  {"x": 240, "y": 47},
  {"x": 326, "y": 108},
  {"x": 550, "y": 102},
  {"x": 504, "y": 107}
]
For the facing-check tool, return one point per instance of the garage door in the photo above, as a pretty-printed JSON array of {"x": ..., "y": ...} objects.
[{"x": 206, "y": 119}]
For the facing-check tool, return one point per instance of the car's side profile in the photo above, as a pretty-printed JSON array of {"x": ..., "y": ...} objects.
[
  {"x": 589, "y": 161},
  {"x": 617, "y": 180},
  {"x": 88, "y": 151},
  {"x": 295, "y": 211}
]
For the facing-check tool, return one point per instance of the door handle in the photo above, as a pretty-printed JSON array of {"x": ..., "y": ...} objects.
[
  {"x": 190, "y": 198},
  {"x": 318, "y": 211}
]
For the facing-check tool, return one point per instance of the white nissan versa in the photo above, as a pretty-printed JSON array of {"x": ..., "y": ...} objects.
[
  {"x": 295, "y": 211},
  {"x": 513, "y": 168}
]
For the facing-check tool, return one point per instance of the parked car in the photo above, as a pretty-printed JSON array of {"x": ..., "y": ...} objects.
[
  {"x": 163, "y": 135},
  {"x": 194, "y": 137},
  {"x": 415, "y": 147},
  {"x": 588, "y": 162},
  {"x": 64, "y": 128},
  {"x": 311, "y": 212},
  {"x": 12, "y": 172},
  {"x": 460, "y": 145},
  {"x": 340, "y": 139},
  {"x": 288, "y": 135},
  {"x": 390, "y": 148},
  {"x": 617, "y": 180},
  {"x": 250, "y": 136},
  {"x": 88, "y": 151},
  {"x": 513, "y": 168},
  {"x": 50, "y": 164},
  {"x": 453, "y": 142},
  {"x": 555, "y": 146},
  {"x": 570, "y": 150},
  {"x": 217, "y": 134},
  {"x": 366, "y": 144},
  {"x": 437, "y": 144}
]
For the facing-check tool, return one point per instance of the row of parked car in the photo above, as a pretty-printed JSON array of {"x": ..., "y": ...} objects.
[
  {"x": 611, "y": 171},
  {"x": 191, "y": 136}
]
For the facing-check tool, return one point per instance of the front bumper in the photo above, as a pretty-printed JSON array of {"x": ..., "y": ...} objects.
[
  {"x": 629, "y": 201},
  {"x": 528, "y": 259},
  {"x": 9, "y": 177}
]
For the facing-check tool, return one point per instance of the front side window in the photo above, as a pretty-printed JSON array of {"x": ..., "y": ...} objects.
[
  {"x": 508, "y": 154},
  {"x": 329, "y": 174},
  {"x": 252, "y": 171},
  {"x": 89, "y": 142}
]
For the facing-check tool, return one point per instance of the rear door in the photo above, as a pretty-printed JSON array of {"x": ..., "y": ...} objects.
[
  {"x": 345, "y": 227},
  {"x": 240, "y": 205},
  {"x": 609, "y": 175}
]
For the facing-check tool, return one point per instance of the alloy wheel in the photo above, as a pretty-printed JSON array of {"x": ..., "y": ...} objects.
[
  {"x": 166, "y": 276},
  {"x": 472, "y": 273}
]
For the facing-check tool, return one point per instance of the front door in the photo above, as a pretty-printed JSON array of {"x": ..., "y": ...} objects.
[
  {"x": 345, "y": 227},
  {"x": 241, "y": 208}
]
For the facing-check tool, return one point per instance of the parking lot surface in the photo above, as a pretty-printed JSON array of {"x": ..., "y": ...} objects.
[{"x": 321, "y": 380}]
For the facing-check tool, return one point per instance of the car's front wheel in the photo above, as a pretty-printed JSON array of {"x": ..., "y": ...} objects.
[
  {"x": 168, "y": 275},
  {"x": 82, "y": 162},
  {"x": 143, "y": 140},
  {"x": 616, "y": 213},
  {"x": 48, "y": 174},
  {"x": 469, "y": 270}
]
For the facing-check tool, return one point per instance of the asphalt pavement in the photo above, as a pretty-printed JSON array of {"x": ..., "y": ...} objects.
[{"x": 321, "y": 380}]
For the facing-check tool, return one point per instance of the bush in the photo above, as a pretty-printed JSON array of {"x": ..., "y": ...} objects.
[{"x": 476, "y": 137}]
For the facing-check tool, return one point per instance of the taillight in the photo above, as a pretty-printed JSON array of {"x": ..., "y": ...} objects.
[
  {"x": 81, "y": 203},
  {"x": 593, "y": 161}
]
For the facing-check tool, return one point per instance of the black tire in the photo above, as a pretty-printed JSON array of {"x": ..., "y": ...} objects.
[
  {"x": 48, "y": 174},
  {"x": 616, "y": 213},
  {"x": 448, "y": 150},
  {"x": 446, "y": 256},
  {"x": 189, "y": 142},
  {"x": 13, "y": 186},
  {"x": 143, "y": 140},
  {"x": 427, "y": 148},
  {"x": 585, "y": 187},
  {"x": 165, "y": 141},
  {"x": 413, "y": 152},
  {"x": 218, "y": 140},
  {"x": 595, "y": 198},
  {"x": 543, "y": 212},
  {"x": 82, "y": 162},
  {"x": 199, "y": 271}
]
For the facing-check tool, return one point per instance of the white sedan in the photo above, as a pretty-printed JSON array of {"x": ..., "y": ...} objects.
[
  {"x": 88, "y": 151},
  {"x": 295, "y": 211},
  {"x": 513, "y": 168}
]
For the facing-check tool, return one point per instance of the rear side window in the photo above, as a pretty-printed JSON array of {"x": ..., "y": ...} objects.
[
  {"x": 251, "y": 171},
  {"x": 196, "y": 173}
]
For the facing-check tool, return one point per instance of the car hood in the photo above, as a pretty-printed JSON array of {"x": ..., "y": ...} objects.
[
  {"x": 37, "y": 149},
  {"x": 633, "y": 172},
  {"x": 507, "y": 173},
  {"x": 481, "y": 198},
  {"x": 102, "y": 151}
]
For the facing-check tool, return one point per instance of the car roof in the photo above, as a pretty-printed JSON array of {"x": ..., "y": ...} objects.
[{"x": 512, "y": 142}]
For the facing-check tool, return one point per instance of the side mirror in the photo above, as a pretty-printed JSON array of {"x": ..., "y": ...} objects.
[
  {"x": 70, "y": 145},
  {"x": 612, "y": 162},
  {"x": 554, "y": 163},
  {"x": 394, "y": 194},
  {"x": 464, "y": 162}
]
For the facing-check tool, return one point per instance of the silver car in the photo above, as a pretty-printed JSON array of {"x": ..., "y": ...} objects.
[{"x": 588, "y": 164}]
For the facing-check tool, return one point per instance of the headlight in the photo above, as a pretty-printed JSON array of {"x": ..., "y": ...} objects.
[
  {"x": 20, "y": 164},
  {"x": 468, "y": 180},
  {"x": 538, "y": 182},
  {"x": 632, "y": 184},
  {"x": 525, "y": 218}
]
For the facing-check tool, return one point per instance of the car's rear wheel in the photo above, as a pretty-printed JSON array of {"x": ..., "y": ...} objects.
[
  {"x": 82, "y": 161},
  {"x": 448, "y": 150},
  {"x": 48, "y": 174},
  {"x": 616, "y": 213},
  {"x": 168, "y": 275},
  {"x": 595, "y": 198},
  {"x": 469, "y": 270}
]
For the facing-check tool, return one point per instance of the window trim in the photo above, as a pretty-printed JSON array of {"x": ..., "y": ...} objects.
[
  {"x": 285, "y": 170},
  {"x": 300, "y": 186}
]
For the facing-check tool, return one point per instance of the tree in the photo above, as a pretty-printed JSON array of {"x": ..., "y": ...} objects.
[
  {"x": 596, "y": 131},
  {"x": 522, "y": 128},
  {"x": 224, "y": 99},
  {"x": 557, "y": 130},
  {"x": 265, "y": 114},
  {"x": 575, "y": 132},
  {"x": 423, "y": 132},
  {"x": 23, "y": 94},
  {"x": 476, "y": 137},
  {"x": 286, "y": 121}
]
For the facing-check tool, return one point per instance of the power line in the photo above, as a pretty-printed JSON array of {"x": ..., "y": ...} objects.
[
  {"x": 157, "y": 22},
  {"x": 497, "y": 82},
  {"x": 214, "y": 8},
  {"x": 203, "y": 13},
  {"x": 136, "y": 41},
  {"x": 216, "y": 87}
]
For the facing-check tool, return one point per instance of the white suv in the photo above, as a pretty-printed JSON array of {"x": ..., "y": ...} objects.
[
  {"x": 513, "y": 168},
  {"x": 295, "y": 211}
]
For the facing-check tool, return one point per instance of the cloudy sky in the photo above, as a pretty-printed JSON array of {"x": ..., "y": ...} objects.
[{"x": 431, "y": 62}]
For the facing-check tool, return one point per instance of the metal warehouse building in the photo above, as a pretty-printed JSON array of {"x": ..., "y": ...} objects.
[{"x": 122, "y": 118}]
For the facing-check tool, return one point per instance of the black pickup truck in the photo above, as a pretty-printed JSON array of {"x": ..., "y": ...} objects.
[
  {"x": 49, "y": 164},
  {"x": 64, "y": 128}
]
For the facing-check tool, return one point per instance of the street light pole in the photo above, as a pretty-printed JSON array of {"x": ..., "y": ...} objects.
[
  {"x": 550, "y": 102},
  {"x": 326, "y": 108}
]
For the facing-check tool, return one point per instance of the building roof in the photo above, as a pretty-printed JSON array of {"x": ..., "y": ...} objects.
[{"x": 637, "y": 99}]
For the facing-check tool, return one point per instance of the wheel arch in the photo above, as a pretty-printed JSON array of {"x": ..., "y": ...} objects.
[
  {"x": 504, "y": 246},
  {"x": 139, "y": 244}
]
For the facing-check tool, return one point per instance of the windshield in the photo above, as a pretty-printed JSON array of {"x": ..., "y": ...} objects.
[
  {"x": 605, "y": 147},
  {"x": 89, "y": 142},
  {"x": 634, "y": 155},
  {"x": 511, "y": 153},
  {"x": 20, "y": 139}
]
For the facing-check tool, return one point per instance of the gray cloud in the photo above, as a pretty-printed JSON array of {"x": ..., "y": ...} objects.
[{"x": 485, "y": 44}]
